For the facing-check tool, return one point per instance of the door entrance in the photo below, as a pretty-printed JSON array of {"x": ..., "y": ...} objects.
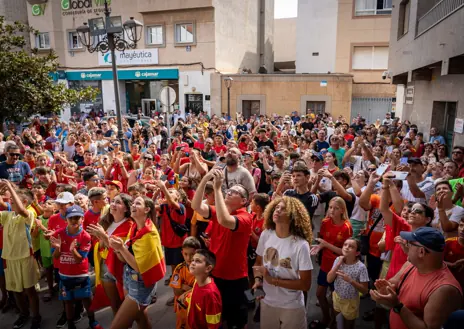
[
  {"x": 443, "y": 117},
  {"x": 149, "y": 106},
  {"x": 250, "y": 108},
  {"x": 194, "y": 103}
]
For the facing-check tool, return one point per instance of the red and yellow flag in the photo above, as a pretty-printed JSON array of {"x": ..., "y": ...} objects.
[{"x": 146, "y": 245}]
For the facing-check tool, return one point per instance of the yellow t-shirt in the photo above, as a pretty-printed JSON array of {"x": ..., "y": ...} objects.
[{"x": 17, "y": 241}]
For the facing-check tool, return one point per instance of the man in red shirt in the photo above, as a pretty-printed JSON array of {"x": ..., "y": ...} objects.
[
  {"x": 458, "y": 156},
  {"x": 230, "y": 234}
]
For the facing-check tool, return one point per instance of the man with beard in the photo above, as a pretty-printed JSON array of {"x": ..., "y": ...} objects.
[{"x": 234, "y": 173}]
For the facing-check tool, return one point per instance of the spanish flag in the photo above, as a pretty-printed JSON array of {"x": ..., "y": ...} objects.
[
  {"x": 146, "y": 245},
  {"x": 115, "y": 267}
]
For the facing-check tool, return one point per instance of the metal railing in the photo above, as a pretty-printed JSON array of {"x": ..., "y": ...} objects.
[{"x": 439, "y": 12}]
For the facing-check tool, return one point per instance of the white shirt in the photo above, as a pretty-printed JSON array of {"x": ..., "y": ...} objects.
[
  {"x": 113, "y": 226},
  {"x": 358, "y": 213},
  {"x": 454, "y": 215},
  {"x": 283, "y": 258},
  {"x": 426, "y": 186},
  {"x": 360, "y": 164}
]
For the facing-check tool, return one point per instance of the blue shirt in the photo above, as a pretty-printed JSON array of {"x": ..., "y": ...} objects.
[
  {"x": 15, "y": 173},
  {"x": 438, "y": 138}
]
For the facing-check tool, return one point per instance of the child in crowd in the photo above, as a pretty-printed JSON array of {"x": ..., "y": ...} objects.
[
  {"x": 204, "y": 303},
  {"x": 5, "y": 205},
  {"x": 71, "y": 246},
  {"x": 258, "y": 204},
  {"x": 22, "y": 272},
  {"x": 335, "y": 230},
  {"x": 454, "y": 254},
  {"x": 199, "y": 224},
  {"x": 45, "y": 250},
  {"x": 182, "y": 280},
  {"x": 351, "y": 278}
]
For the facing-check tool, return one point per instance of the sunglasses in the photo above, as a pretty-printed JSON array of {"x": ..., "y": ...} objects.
[
  {"x": 371, "y": 169},
  {"x": 148, "y": 158},
  {"x": 116, "y": 145},
  {"x": 457, "y": 152},
  {"x": 234, "y": 192},
  {"x": 15, "y": 154},
  {"x": 417, "y": 211}
]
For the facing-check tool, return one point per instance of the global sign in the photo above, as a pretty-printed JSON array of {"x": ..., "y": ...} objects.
[{"x": 82, "y": 7}]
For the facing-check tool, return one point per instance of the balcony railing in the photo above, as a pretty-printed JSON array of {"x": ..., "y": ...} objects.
[{"x": 439, "y": 12}]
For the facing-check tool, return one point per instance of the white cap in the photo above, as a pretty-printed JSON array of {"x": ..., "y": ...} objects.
[{"x": 64, "y": 198}]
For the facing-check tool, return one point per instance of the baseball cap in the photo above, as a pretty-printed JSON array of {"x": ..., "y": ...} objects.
[
  {"x": 318, "y": 156},
  {"x": 74, "y": 211},
  {"x": 64, "y": 198},
  {"x": 415, "y": 160},
  {"x": 429, "y": 237},
  {"x": 116, "y": 183}
]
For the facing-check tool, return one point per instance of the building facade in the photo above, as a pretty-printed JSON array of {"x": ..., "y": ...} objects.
[
  {"x": 427, "y": 58},
  {"x": 13, "y": 11},
  {"x": 352, "y": 37},
  {"x": 184, "y": 44}
]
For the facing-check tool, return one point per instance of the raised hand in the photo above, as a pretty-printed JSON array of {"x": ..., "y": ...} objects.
[{"x": 55, "y": 242}]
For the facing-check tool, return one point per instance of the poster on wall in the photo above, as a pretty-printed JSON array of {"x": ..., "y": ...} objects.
[
  {"x": 409, "y": 97},
  {"x": 459, "y": 126}
]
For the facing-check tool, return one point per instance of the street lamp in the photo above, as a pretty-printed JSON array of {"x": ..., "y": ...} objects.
[
  {"x": 107, "y": 34},
  {"x": 228, "y": 82}
]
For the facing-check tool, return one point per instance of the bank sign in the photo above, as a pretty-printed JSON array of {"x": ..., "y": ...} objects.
[
  {"x": 164, "y": 74},
  {"x": 130, "y": 57},
  {"x": 79, "y": 7}
]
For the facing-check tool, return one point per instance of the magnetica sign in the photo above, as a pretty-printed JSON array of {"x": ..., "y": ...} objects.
[
  {"x": 168, "y": 74},
  {"x": 130, "y": 57},
  {"x": 80, "y": 7}
]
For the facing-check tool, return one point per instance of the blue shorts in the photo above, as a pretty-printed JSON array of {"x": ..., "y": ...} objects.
[
  {"x": 135, "y": 287},
  {"x": 2, "y": 269},
  {"x": 322, "y": 280},
  {"x": 75, "y": 288}
]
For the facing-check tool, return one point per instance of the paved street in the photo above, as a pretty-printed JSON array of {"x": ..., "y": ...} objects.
[{"x": 161, "y": 315}]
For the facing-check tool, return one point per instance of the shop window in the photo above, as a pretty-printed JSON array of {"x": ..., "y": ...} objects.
[
  {"x": 403, "y": 18},
  {"x": 185, "y": 33},
  {"x": 372, "y": 7},
  {"x": 370, "y": 58},
  {"x": 74, "y": 42},
  {"x": 316, "y": 107},
  {"x": 155, "y": 35},
  {"x": 42, "y": 40}
]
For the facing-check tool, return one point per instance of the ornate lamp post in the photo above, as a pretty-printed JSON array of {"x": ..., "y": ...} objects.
[
  {"x": 107, "y": 35},
  {"x": 228, "y": 83}
]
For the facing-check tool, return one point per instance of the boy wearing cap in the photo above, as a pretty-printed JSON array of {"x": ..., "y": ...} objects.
[{"x": 70, "y": 246}]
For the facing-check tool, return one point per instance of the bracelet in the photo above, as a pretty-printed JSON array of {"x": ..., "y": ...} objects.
[{"x": 260, "y": 278}]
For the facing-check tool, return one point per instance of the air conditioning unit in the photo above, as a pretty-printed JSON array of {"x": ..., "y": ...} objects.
[{"x": 37, "y": 2}]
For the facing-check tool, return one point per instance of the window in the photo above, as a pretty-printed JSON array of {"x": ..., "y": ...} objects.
[
  {"x": 42, "y": 41},
  {"x": 155, "y": 35},
  {"x": 185, "y": 33},
  {"x": 370, "y": 58},
  {"x": 373, "y": 7},
  {"x": 403, "y": 19},
  {"x": 74, "y": 42}
]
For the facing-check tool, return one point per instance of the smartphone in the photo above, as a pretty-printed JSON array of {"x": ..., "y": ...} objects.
[
  {"x": 178, "y": 148},
  {"x": 382, "y": 169},
  {"x": 259, "y": 292},
  {"x": 249, "y": 295},
  {"x": 400, "y": 175},
  {"x": 404, "y": 161}
]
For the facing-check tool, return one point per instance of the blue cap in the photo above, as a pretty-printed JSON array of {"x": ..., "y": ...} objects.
[
  {"x": 429, "y": 237},
  {"x": 318, "y": 156},
  {"x": 74, "y": 211}
]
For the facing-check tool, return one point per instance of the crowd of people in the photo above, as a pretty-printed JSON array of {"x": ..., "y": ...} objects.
[{"x": 233, "y": 215}]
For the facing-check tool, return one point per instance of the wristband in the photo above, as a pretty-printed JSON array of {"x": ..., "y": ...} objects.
[{"x": 260, "y": 278}]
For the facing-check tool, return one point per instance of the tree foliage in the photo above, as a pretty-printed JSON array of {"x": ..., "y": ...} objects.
[{"x": 26, "y": 85}]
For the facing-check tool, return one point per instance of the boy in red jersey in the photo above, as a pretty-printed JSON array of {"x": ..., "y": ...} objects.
[
  {"x": 204, "y": 302},
  {"x": 71, "y": 246},
  {"x": 454, "y": 254}
]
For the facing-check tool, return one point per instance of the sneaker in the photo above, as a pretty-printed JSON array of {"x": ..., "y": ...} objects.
[
  {"x": 95, "y": 325},
  {"x": 170, "y": 301},
  {"x": 36, "y": 322},
  {"x": 166, "y": 282},
  {"x": 21, "y": 321},
  {"x": 61, "y": 321}
]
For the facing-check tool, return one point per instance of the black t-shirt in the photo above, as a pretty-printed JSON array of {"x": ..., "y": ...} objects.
[
  {"x": 78, "y": 158},
  {"x": 242, "y": 128},
  {"x": 327, "y": 196},
  {"x": 321, "y": 145},
  {"x": 310, "y": 200},
  {"x": 263, "y": 187},
  {"x": 307, "y": 125},
  {"x": 210, "y": 156},
  {"x": 260, "y": 144}
]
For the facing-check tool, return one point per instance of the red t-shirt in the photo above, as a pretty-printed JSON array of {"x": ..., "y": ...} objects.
[
  {"x": 230, "y": 246},
  {"x": 335, "y": 235},
  {"x": 398, "y": 256},
  {"x": 204, "y": 307},
  {"x": 243, "y": 147},
  {"x": 67, "y": 264},
  {"x": 136, "y": 156},
  {"x": 56, "y": 223},
  {"x": 51, "y": 190},
  {"x": 189, "y": 211},
  {"x": 219, "y": 148},
  {"x": 91, "y": 217},
  {"x": 199, "y": 145},
  {"x": 169, "y": 238},
  {"x": 454, "y": 252},
  {"x": 257, "y": 228}
]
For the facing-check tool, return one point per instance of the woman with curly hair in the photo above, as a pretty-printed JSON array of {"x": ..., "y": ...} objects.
[{"x": 283, "y": 264}]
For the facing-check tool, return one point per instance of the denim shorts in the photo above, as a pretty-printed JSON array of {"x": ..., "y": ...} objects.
[
  {"x": 72, "y": 288},
  {"x": 135, "y": 287}
]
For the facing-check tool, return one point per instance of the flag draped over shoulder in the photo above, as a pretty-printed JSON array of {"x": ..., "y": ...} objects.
[
  {"x": 146, "y": 245},
  {"x": 114, "y": 265}
]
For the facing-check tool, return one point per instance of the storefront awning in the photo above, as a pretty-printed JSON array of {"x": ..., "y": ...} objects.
[{"x": 168, "y": 74}]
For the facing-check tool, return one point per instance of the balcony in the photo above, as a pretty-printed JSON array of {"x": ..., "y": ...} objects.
[{"x": 439, "y": 12}]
